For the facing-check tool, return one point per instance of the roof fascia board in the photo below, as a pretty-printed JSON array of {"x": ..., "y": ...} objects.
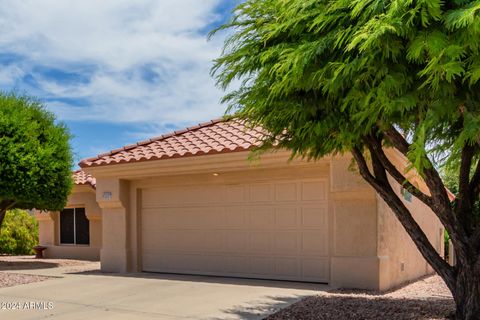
[{"x": 206, "y": 163}]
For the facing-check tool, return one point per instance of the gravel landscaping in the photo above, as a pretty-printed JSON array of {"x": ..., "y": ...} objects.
[
  {"x": 425, "y": 299},
  {"x": 14, "y": 263},
  {"x": 29, "y": 262},
  {"x": 15, "y": 279}
]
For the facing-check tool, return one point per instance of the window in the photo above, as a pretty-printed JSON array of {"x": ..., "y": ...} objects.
[{"x": 74, "y": 227}]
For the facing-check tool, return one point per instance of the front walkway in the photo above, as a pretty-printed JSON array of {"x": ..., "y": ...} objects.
[{"x": 74, "y": 293}]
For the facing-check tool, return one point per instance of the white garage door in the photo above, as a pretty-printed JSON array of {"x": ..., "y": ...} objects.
[{"x": 260, "y": 230}]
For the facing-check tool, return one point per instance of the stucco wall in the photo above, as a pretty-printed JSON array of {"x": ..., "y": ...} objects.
[
  {"x": 371, "y": 248},
  {"x": 403, "y": 261},
  {"x": 49, "y": 228},
  {"x": 354, "y": 262}
]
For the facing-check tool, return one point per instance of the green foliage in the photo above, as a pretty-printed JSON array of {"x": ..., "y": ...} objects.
[
  {"x": 19, "y": 233},
  {"x": 446, "y": 244},
  {"x": 320, "y": 75},
  {"x": 35, "y": 156},
  {"x": 450, "y": 178}
]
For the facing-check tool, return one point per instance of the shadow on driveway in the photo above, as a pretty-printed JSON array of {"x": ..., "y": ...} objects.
[
  {"x": 213, "y": 279},
  {"x": 260, "y": 310}
]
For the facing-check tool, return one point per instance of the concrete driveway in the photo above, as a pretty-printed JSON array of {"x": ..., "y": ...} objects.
[{"x": 93, "y": 295}]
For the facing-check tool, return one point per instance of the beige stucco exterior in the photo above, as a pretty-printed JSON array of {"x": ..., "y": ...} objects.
[
  {"x": 146, "y": 205},
  {"x": 83, "y": 196}
]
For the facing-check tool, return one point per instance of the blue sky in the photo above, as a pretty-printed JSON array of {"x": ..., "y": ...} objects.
[{"x": 115, "y": 71}]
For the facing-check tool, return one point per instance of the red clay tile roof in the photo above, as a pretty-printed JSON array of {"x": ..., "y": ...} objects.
[
  {"x": 216, "y": 136},
  {"x": 82, "y": 178}
]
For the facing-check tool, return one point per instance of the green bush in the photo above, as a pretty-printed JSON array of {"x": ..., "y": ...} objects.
[{"x": 19, "y": 233}]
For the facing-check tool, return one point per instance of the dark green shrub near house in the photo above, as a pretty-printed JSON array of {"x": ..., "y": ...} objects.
[{"x": 19, "y": 233}]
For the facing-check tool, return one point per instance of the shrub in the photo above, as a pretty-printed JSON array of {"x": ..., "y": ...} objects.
[{"x": 19, "y": 233}]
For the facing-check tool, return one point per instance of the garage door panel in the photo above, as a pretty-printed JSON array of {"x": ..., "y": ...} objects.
[
  {"x": 210, "y": 218},
  {"x": 235, "y": 193},
  {"x": 237, "y": 241},
  {"x": 275, "y": 230},
  {"x": 202, "y": 195},
  {"x": 286, "y": 217},
  {"x": 261, "y": 217},
  {"x": 184, "y": 218},
  {"x": 285, "y": 192},
  {"x": 288, "y": 267},
  {"x": 214, "y": 241},
  {"x": 236, "y": 217},
  {"x": 237, "y": 265},
  {"x": 262, "y": 266},
  {"x": 152, "y": 262},
  {"x": 201, "y": 241},
  {"x": 180, "y": 240},
  {"x": 315, "y": 269},
  {"x": 261, "y": 192},
  {"x": 285, "y": 242},
  {"x": 260, "y": 242},
  {"x": 159, "y": 197},
  {"x": 314, "y": 217}
]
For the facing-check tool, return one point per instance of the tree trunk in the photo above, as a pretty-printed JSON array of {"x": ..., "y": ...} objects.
[
  {"x": 2, "y": 217},
  {"x": 4, "y": 206},
  {"x": 467, "y": 293}
]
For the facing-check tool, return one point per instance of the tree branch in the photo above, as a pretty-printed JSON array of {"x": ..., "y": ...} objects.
[
  {"x": 376, "y": 147},
  {"x": 475, "y": 183},
  {"x": 378, "y": 168},
  {"x": 464, "y": 204},
  {"x": 465, "y": 167},
  {"x": 4, "y": 206},
  {"x": 441, "y": 203},
  {"x": 408, "y": 222},
  {"x": 398, "y": 140},
  {"x": 432, "y": 178},
  {"x": 475, "y": 240}
]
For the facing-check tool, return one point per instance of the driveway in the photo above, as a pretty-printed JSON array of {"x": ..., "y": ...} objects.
[{"x": 92, "y": 295}]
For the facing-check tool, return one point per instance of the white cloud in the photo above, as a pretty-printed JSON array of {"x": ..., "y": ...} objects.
[
  {"x": 9, "y": 73},
  {"x": 144, "y": 61}
]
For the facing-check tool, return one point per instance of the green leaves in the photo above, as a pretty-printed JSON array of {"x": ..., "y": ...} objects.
[
  {"x": 464, "y": 17},
  {"x": 19, "y": 233},
  {"x": 321, "y": 74},
  {"x": 425, "y": 45},
  {"x": 35, "y": 156}
]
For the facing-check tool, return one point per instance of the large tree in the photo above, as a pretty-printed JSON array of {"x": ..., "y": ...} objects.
[
  {"x": 35, "y": 156},
  {"x": 360, "y": 76}
]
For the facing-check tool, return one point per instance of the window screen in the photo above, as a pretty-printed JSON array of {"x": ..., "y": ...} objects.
[
  {"x": 67, "y": 233},
  {"x": 74, "y": 227},
  {"x": 82, "y": 232}
]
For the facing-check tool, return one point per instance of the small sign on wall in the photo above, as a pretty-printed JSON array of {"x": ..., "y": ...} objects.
[
  {"x": 406, "y": 195},
  {"x": 107, "y": 195}
]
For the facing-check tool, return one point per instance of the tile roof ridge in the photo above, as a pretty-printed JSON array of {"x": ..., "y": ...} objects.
[
  {"x": 173, "y": 133},
  {"x": 155, "y": 139}
]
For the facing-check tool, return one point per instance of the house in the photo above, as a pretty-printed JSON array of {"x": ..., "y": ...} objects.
[
  {"x": 76, "y": 231},
  {"x": 191, "y": 202}
]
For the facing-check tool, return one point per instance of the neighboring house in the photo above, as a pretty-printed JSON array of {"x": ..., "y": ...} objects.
[
  {"x": 191, "y": 202},
  {"x": 76, "y": 231}
]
